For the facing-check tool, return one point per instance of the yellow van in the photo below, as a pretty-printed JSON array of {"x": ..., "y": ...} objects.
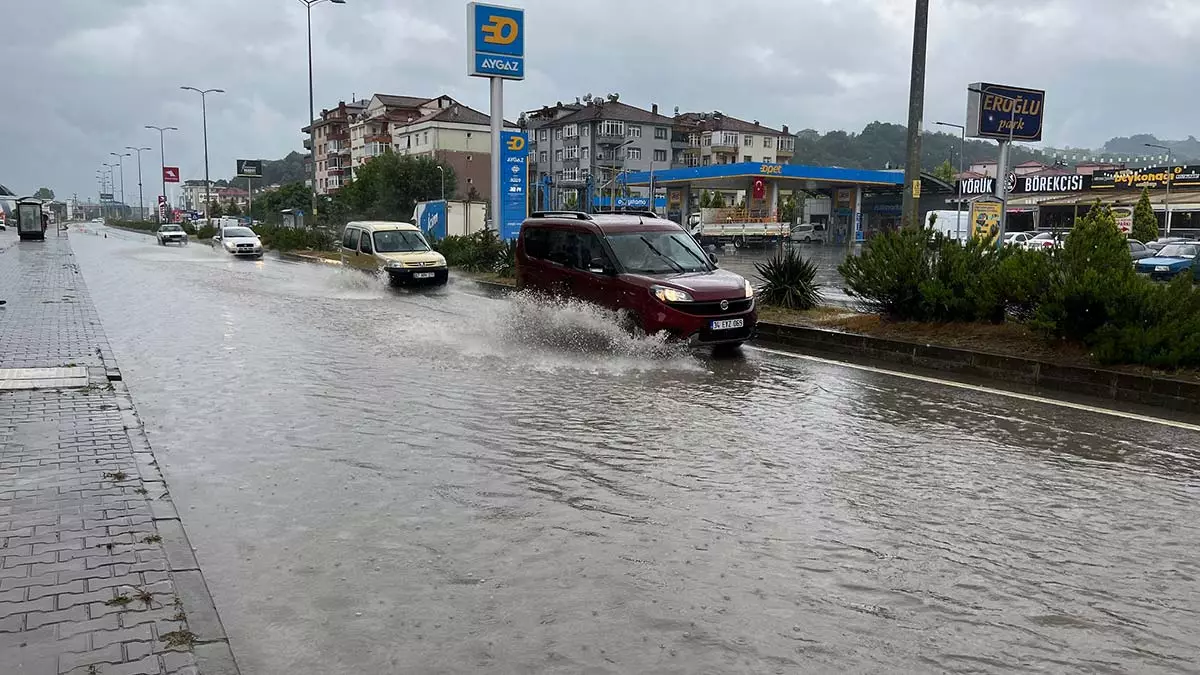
[{"x": 396, "y": 248}]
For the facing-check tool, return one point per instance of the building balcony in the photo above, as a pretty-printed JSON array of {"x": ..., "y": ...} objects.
[
  {"x": 339, "y": 135},
  {"x": 786, "y": 146},
  {"x": 608, "y": 162},
  {"x": 722, "y": 146},
  {"x": 605, "y": 138},
  {"x": 308, "y": 143},
  {"x": 386, "y": 139}
]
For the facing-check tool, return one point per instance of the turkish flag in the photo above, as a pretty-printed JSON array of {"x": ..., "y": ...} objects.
[
  {"x": 760, "y": 188},
  {"x": 170, "y": 174}
]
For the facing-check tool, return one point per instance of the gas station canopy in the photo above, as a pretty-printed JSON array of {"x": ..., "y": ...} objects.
[{"x": 784, "y": 176}]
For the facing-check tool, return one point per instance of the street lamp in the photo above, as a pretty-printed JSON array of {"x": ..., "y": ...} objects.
[
  {"x": 204, "y": 120},
  {"x": 442, "y": 170},
  {"x": 958, "y": 183},
  {"x": 1170, "y": 177},
  {"x": 141, "y": 198},
  {"x": 121, "y": 163},
  {"x": 162, "y": 153},
  {"x": 619, "y": 172},
  {"x": 312, "y": 126}
]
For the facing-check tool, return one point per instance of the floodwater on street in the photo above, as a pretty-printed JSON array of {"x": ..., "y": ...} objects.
[
  {"x": 389, "y": 481},
  {"x": 827, "y": 257}
]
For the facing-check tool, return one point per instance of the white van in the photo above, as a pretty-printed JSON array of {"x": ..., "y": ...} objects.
[
  {"x": 953, "y": 224},
  {"x": 809, "y": 232}
]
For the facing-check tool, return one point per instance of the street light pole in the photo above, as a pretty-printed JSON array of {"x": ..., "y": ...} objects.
[
  {"x": 204, "y": 120},
  {"x": 442, "y": 171},
  {"x": 312, "y": 125},
  {"x": 962, "y": 143},
  {"x": 121, "y": 163},
  {"x": 141, "y": 197},
  {"x": 1170, "y": 179},
  {"x": 162, "y": 153}
]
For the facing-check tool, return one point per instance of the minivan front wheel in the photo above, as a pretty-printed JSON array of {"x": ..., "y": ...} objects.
[{"x": 629, "y": 321}]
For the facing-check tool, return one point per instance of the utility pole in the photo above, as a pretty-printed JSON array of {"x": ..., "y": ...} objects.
[
  {"x": 204, "y": 121},
  {"x": 312, "y": 124},
  {"x": 162, "y": 154},
  {"x": 141, "y": 197},
  {"x": 916, "y": 111}
]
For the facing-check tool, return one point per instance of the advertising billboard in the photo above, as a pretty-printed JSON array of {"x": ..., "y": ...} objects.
[
  {"x": 1027, "y": 184},
  {"x": 1002, "y": 112},
  {"x": 249, "y": 168},
  {"x": 1152, "y": 178},
  {"x": 170, "y": 174},
  {"x": 985, "y": 219},
  {"x": 496, "y": 41},
  {"x": 514, "y": 177}
]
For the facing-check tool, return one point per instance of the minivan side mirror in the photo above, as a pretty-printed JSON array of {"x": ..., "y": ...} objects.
[
  {"x": 600, "y": 266},
  {"x": 712, "y": 258}
]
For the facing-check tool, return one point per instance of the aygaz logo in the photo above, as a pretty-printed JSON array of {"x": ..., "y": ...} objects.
[{"x": 500, "y": 30}]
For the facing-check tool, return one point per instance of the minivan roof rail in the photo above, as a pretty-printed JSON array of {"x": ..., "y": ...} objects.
[
  {"x": 645, "y": 213},
  {"x": 578, "y": 215}
]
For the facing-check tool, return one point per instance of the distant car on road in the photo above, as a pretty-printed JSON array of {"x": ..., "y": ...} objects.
[
  {"x": 1171, "y": 261},
  {"x": 239, "y": 241},
  {"x": 1017, "y": 238},
  {"x": 1138, "y": 250},
  {"x": 809, "y": 232},
  {"x": 170, "y": 233},
  {"x": 1157, "y": 244},
  {"x": 1043, "y": 241}
]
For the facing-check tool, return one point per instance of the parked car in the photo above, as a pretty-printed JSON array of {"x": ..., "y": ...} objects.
[
  {"x": 1157, "y": 244},
  {"x": 1043, "y": 241},
  {"x": 1017, "y": 238},
  {"x": 170, "y": 233},
  {"x": 809, "y": 232},
  {"x": 1138, "y": 250},
  {"x": 238, "y": 241},
  {"x": 1171, "y": 261},
  {"x": 396, "y": 248},
  {"x": 646, "y": 268}
]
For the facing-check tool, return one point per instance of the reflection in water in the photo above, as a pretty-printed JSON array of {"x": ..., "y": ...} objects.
[{"x": 388, "y": 477}]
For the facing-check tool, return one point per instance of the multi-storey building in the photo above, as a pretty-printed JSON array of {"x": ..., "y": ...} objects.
[
  {"x": 716, "y": 138},
  {"x": 331, "y": 134},
  {"x": 593, "y": 142}
]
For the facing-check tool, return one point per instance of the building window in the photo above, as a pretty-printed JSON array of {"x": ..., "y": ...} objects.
[
  {"x": 767, "y": 142},
  {"x": 558, "y": 155},
  {"x": 633, "y": 153},
  {"x": 558, "y": 134},
  {"x": 584, "y": 131},
  {"x": 747, "y": 158},
  {"x": 728, "y": 138},
  {"x": 573, "y": 152},
  {"x": 612, "y": 128},
  {"x": 543, "y": 156},
  {"x": 768, "y": 160},
  {"x": 543, "y": 135},
  {"x": 571, "y": 131},
  {"x": 707, "y": 160},
  {"x": 470, "y": 181},
  {"x": 570, "y": 174},
  {"x": 749, "y": 140},
  {"x": 468, "y": 134},
  {"x": 660, "y": 155},
  {"x": 470, "y": 157},
  {"x": 425, "y": 141},
  {"x": 660, "y": 133},
  {"x": 635, "y": 131},
  {"x": 706, "y": 139}
]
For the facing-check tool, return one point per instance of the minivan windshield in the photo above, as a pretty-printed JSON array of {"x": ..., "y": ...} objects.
[
  {"x": 658, "y": 252},
  {"x": 399, "y": 241},
  {"x": 236, "y": 232}
]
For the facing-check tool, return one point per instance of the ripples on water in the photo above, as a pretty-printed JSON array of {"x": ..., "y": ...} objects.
[{"x": 381, "y": 479}]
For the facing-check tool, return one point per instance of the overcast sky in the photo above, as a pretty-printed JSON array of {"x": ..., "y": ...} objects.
[{"x": 82, "y": 77}]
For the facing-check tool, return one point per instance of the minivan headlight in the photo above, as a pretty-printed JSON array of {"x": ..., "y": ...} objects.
[
  {"x": 749, "y": 289},
  {"x": 668, "y": 294},
  {"x": 395, "y": 264}
]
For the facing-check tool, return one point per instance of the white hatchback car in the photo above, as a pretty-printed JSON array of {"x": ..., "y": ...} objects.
[
  {"x": 239, "y": 241},
  {"x": 170, "y": 233}
]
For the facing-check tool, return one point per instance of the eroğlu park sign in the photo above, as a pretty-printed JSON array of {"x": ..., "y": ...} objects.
[{"x": 1001, "y": 112}]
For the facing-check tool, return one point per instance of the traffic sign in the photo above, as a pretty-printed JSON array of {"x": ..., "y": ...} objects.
[
  {"x": 170, "y": 174},
  {"x": 106, "y": 196}
]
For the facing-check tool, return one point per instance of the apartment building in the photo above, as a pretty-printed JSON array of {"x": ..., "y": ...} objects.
[
  {"x": 596, "y": 139},
  {"x": 192, "y": 192},
  {"x": 331, "y": 133},
  {"x": 716, "y": 138}
]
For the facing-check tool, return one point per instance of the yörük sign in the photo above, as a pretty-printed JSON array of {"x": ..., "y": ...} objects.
[
  {"x": 1027, "y": 184},
  {"x": 1002, "y": 112}
]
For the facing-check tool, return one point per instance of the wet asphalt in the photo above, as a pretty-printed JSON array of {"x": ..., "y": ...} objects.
[{"x": 379, "y": 480}]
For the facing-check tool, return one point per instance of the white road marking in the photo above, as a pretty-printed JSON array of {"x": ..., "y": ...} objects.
[{"x": 987, "y": 390}]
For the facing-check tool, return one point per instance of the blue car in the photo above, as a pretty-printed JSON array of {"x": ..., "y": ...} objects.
[{"x": 1171, "y": 261}]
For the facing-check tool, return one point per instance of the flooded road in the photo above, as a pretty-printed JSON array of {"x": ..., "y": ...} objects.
[{"x": 383, "y": 481}]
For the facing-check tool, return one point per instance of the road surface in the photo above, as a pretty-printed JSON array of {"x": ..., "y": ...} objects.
[{"x": 379, "y": 481}]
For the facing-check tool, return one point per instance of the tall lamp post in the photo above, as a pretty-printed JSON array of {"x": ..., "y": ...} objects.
[
  {"x": 1170, "y": 176},
  {"x": 204, "y": 120},
  {"x": 442, "y": 170},
  {"x": 962, "y": 143},
  {"x": 162, "y": 153},
  {"x": 121, "y": 164},
  {"x": 312, "y": 126},
  {"x": 141, "y": 196}
]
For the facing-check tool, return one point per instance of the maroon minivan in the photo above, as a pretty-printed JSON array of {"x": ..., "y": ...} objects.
[{"x": 650, "y": 268}]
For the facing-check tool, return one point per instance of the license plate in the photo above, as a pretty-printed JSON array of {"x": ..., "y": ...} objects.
[
  {"x": 1162, "y": 268},
  {"x": 423, "y": 275},
  {"x": 726, "y": 324}
]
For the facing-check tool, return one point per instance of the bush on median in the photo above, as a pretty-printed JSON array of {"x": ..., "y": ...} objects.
[{"x": 481, "y": 251}]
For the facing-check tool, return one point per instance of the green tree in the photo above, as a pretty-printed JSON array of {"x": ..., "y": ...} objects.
[
  {"x": 1145, "y": 223},
  {"x": 787, "y": 208},
  {"x": 717, "y": 201},
  {"x": 269, "y": 205},
  {"x": 571, "y": 202},
  {"x": 705, "y": 199},
  {"x": 214, "y": 209},
  {"x": 944, "y": 172},
  {"x": 232, "y": 209},
  {"x": 44, "y": 193},
  {"x": 389, "y": 186}
]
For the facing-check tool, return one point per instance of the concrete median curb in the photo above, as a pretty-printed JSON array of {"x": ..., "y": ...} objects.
[{"x": 1117, "y": 386}]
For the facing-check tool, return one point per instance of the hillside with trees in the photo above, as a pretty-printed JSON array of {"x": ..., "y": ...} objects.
[{"x": 290, "y": 169}]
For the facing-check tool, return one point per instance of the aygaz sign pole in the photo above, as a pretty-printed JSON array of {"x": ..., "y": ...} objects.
[{"x": 496, "y": 50}]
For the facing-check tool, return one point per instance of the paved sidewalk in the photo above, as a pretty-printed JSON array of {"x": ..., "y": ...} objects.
[{"x": 96, "y": 573}]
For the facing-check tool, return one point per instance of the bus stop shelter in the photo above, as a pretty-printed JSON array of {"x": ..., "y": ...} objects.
[{"x": 762, "y": 184}]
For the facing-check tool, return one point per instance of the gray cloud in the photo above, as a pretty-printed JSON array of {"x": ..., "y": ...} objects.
[{"x": 83, "y": 76}]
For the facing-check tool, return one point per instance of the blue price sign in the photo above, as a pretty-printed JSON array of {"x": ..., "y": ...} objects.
[
  {"x": 1002, "y": 112},
  {"x": 514, "y": 176},
  {"x": 497, "y": 41}
]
